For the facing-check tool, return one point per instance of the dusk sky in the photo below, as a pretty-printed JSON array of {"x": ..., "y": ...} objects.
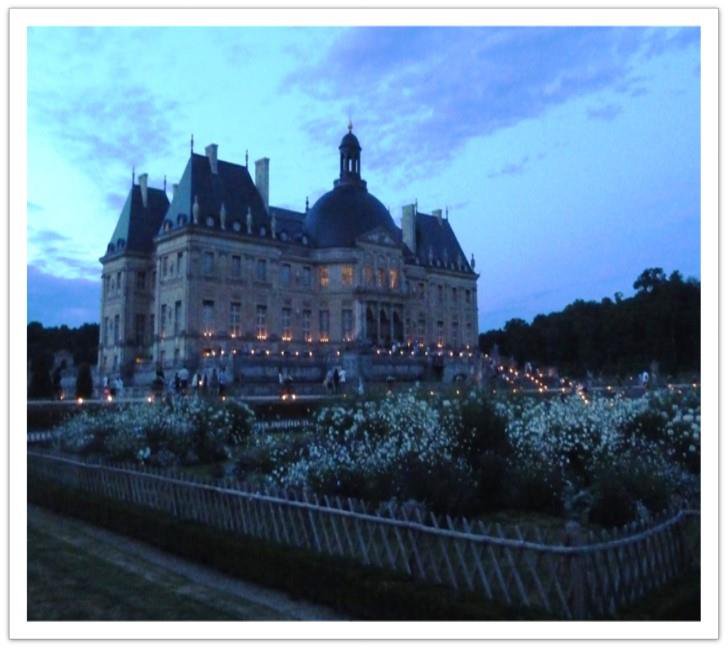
[{"x": 569, "y": 158}]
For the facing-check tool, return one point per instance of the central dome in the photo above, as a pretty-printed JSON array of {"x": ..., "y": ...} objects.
[{"x": 342, "y": 215}]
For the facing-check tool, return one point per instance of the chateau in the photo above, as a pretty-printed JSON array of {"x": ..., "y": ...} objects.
[{"x": 218, "y": 270}]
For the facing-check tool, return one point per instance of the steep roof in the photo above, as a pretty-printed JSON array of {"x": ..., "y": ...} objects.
[
  {"x": 435, "y": 234},
  {"x": 231, "y": 185},
  {"x": 288, "y": 221},
  {"x": 137, "y": 224}
]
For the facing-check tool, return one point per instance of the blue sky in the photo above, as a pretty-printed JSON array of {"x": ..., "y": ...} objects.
[{"x": 569, "y": 158}]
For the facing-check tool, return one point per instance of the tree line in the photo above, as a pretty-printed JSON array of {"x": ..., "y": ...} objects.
[
  {"x": 659, "y": 323},
  {"x": 43, "y": 342}
]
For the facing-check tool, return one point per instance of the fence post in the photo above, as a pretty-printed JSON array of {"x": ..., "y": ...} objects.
[{"x": 573, "y": 534}]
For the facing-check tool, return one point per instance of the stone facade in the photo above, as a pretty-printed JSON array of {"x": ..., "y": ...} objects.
[{"x": 221, "y": 276}]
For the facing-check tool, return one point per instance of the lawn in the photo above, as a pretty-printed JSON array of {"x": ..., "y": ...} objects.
[{"x": 69, "y": 580}]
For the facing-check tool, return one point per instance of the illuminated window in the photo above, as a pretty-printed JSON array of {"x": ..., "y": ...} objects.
[
  {"x": 347, "y": 324},
  {"x": 286, "y": 323},
  {"x": 235, "y": 318},
  {"x": 393, "y": 278},
  {"x": 347, "y": 275},
  {"x": 324, "y": 324},
  {"x": 261, "y": 322},
  {"x": 306, "y": 325},
  {"x": 324, "y": 277}
]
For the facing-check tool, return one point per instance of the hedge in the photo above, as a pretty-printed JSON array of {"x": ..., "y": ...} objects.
[{"x": 355, "y": 591}]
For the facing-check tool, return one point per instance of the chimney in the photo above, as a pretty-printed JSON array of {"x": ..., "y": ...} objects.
[
  {"x": 438, "y": 214},
  {"x": 262, "y": 171},
  {"x": 408, "y": 226},
  {"x": 143, "y": 188},
  {"x": 211, "y": 153}
]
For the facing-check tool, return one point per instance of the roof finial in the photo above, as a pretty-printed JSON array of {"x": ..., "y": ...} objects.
[
  {"x": 306, "y": 203},
  {"x": 165, "y": 183},
  {"x": 133, "y": 175},
  {"x": 192, "y": 143},
  {"x": 350, "y": 126},
  {"x": 447, "y": 212},
  {"x": 246, "y": 158}
]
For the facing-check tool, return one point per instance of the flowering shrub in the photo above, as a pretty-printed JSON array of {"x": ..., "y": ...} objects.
[
  {"x": 183, "y": 431},
  {"x": 609, "y": 458}
]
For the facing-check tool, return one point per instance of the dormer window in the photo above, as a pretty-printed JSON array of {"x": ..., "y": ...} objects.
[
  {"x": 210, "y": 222},
  {"x": 261, "y": 232},
  {"x": 283, "y": 235},
  {"x": 167, "y": 226},
  {"x": 236, "y": 226},
  {"x": 304, "y": 240},
  {"x": 120, "y": 243}
]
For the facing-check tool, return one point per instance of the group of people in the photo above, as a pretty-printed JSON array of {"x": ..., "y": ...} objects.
[
  {"x": 203, "y": 382},
  {"x": 335, "y": 380},
  {"x": 113, "y": 387}
]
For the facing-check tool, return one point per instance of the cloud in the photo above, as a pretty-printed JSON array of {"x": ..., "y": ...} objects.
[
  {"x": 606, "y": 113},
  {"x": 34, "y": 207},
  {"x": 56, "y": 300},
  {"x": 511, "y": 168},
  {"x": 427, "y": 91},
  {"x": 46, "y": 236}
]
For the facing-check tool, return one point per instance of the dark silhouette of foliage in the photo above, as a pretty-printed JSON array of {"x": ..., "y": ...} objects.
[
  {"x": 41, "y": 384},
  {"x": 82, "y": 342},
  {"x": 84, "y": 382},
  {"x": 660, "y": 322}
]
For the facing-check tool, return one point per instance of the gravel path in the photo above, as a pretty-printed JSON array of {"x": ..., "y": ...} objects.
[{"x": 198, "y": 582}]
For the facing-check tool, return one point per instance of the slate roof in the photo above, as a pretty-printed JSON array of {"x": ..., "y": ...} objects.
[
  {"x": 288, "y": 221},
  {"x": 137, "y": 225},
  {"x": 342, "y": 215},
  {"x": 231, "y": 185},
  {"x": 434, "y": 234}
]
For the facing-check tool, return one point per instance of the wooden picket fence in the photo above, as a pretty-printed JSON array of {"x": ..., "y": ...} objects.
[{"x": 569, "y": 574}]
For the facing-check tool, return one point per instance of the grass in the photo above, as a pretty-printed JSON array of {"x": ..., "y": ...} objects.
[
  {"x": 68, "y": 581},
  {"x": 679, "y": 600}
]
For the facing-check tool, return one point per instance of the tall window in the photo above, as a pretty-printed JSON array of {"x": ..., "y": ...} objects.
[
  {"x": 180, "y": 256},
  {"x": 235, "y": 267},
  {"x": 324, "y": 325},
  {"x": 106, "y": 331},
  {"x": 261, "y": 270},
  {"x": 261, "y": 318},
  {"x": 467, "y": 297},
  {"x": 440, "y": 332},
  {"x": 368, "y": 276},
  {"x": 208, "y": 315},
  {"x": 151, "y": 327},
  {"x": 140, "y": 322},
  {"x": 141, "y": 280},
  {"x": 107, "y": 284},
  {"x": 285, "y": 275},
  {"x": 306, "y": 325},
  {"x": 306, "y": 277},
  {"x": 393, "y": 278},
  {"x": 164, "y": 266},
  {"x": 163, "y": 320},
  {"x": 347, "y": 324},
  {"x": 286, "y": 323},
  {"x": 235, "y": 318},
  {"x": 118, "y": 281},
  {"x": 324, "y": 277},
  {"x": 421, "y": 328},
  {"x": 381, "y": 278},
  {"x": 421, "y": 290},
  {"x": 347, "y": 275},
  {"x": 116, "y": 329},
  {"x": 208, "y": 263},
  {"x": 454, "y": 296},
  {"x": 439, "y": 294},
  {"x": 177, "y": 317},
  {"x": 176, "y": 356},
  {"x": 454, "y": 330}
]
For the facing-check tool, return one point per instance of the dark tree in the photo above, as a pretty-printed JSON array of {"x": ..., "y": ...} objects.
[
  {"x": 41, "y": 384},
  {"x": 84, "y": 382}
]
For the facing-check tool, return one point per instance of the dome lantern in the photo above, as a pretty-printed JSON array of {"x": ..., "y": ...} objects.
[{"x": 350, "y": 158}]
